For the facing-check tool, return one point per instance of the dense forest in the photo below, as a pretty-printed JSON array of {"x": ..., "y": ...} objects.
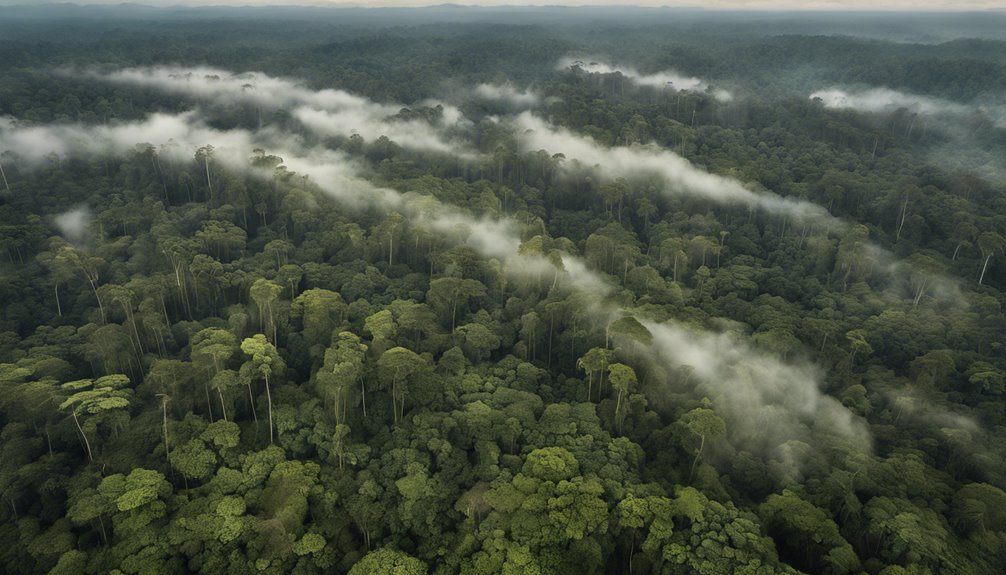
[{"x": 521, "y": 291}]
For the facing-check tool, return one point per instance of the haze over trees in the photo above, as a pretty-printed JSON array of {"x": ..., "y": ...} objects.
[{"x": 473, "y": 291}]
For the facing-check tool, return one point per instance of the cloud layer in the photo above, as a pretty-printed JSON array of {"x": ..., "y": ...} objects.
[
  {"x": 666, "y": 79},
  {"x": 327, "y": 112},
  {"x": 33, "y": 144},
  {"x": 507, "y": 94},
  {"x": 678, "y": 174},
  {"x": 771, "y": 388},
  {"x": 885, "y": 100},
  {"x": 72, "y": 224},
  {"x": 766, "y": 402}
]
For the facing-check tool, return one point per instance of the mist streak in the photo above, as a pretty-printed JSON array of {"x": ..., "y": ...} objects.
[
  {"x": 666, "y": 79},
  {"x": 678, "y": 174},
  {"x": 327, "y": 111}
]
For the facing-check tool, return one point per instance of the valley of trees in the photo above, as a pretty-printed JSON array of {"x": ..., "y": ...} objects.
[{"x": 208, "y": 370}]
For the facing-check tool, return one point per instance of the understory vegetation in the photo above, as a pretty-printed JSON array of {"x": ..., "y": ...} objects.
[{"x": 236, "y": 367}]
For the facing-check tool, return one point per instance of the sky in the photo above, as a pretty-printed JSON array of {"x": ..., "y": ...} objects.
[{"x": 949, "y": 5}]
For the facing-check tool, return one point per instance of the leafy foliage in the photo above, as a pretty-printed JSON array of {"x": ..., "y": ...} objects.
[{"x": 432, "y": 409}]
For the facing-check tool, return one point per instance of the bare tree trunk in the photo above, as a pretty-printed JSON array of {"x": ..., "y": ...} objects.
[
  {"x": 984, "y": 267},
  {"x": 223, "y": 407},
  {"x": 87, "y": 443},
  {"x": 209, "y": 404},
  {"x": 901, "y": 221},
  {"x": 101, "y": 307},
  {"x": 251, "y": 400},
  {"x": 394, "y": 407},
  {"x": 206, "y": 161},
  {"x": 363, "y": 394},
  {"x": 920, "y": 292},
  {"x": 695, "y": 461},
  {"x": 268, "y": 396},
  {"x": 48, "y": 438},
  {"x": 618, "y": 406},
  {"x": 104, "y": 534},
  {"x": 167, "y": 448},
  {"x": 4, "y": 176},
  {"x": 164, "y": 184}
]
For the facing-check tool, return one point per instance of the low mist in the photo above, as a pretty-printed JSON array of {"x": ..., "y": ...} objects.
[
  {"x": 507, "y": 94},
  {"x": 73, "y": 224},
  {"x": 767, "y": 402},
  {"x": 325, "y": 111},
  {"x": 668, "y": 79},
  {"x": 678, "y": 174},
  {"x": 875, "y": 100}
]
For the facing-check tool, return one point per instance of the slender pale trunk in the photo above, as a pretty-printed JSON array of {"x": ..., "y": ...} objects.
[
  {"x": 344, "y": 402},
  {"x": 209, "y": 404},
  {"x": 919, "y": 293},
  {"x": 251, "y": 400},
  {"x": 363, "y": 395},
  {"x": 164, "y": 184},
  {"x": 394, "y": 407},
  {"x": 4, "y": 176},
  {"x": 268, "y": 396},
  {"x": 901, "y": 221},
  {"x": 698, "y": 455},
  {"x": 87, "y": 444},
  {"x": 104, "y": 534},
  {"x": 206, "y": 161},
  {"x": 984, "y": 267},
  {"x": 401, "y": 409},
  {"x": 59, "y": 308},
  {"x": 223, "y": 407},
  {"x": 454, "y": 311},
  {"x": 167, "y": 448},
  {"x": 94, "y": 288},
  {"x": 136, "y": 330}
]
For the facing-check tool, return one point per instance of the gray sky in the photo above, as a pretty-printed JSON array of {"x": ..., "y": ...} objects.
[{"x": 714, "y": 4}]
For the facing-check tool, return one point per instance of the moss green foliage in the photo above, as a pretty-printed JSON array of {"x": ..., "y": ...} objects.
[{"x": 232, "y": 373}]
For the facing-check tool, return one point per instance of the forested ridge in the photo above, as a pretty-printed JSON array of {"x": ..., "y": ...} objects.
[{"x": 312, "y": 296}]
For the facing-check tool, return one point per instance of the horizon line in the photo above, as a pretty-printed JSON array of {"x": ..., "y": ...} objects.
[{"x": 337, "y": 5}]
